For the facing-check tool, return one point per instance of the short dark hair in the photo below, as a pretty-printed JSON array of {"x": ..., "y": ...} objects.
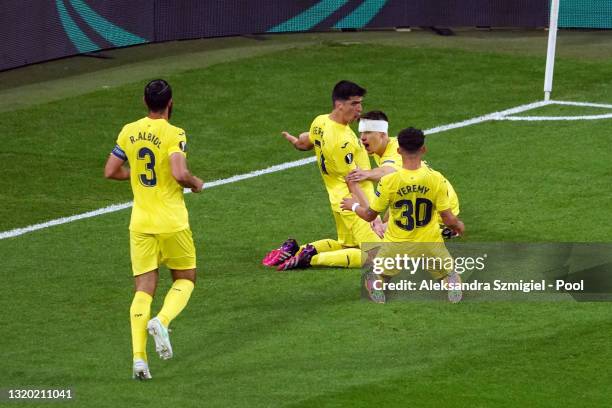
[
  {"x": 343, "y": 90},
  {"x": 411, "y": 139},
  {"x": 374, "y": 115},
  {"x": 157, "y": 94}
]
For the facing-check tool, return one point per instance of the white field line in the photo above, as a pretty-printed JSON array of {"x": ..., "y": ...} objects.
[
  {"x": 256, "y": 173},
  {"x": 487, "y": 117},
  {"x": 589, "y": 104},
  {"x": 117, "y": 207},
  {"x": 280, "y": 167},
  {"x": 549, "y": 118},
  {"x": 565, "y": 103}
]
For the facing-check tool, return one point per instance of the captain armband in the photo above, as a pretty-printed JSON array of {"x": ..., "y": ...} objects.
[{"x": 119, "y": 153}]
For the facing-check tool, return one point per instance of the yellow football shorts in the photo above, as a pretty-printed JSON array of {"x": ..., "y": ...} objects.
[
  {"x": 175, "y": 250},
  {"x": 352, "y": 230}
]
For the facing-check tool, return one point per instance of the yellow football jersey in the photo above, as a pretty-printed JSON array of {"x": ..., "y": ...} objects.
[
  {"x": 392, "y": 158},
  {"x": 414, "y": 198},
  {"x": 147, "y": 144},
  {"x": 338, "y": 152}
]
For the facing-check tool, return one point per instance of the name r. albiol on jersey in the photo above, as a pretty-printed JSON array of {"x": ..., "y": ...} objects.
[{"x": 149, "y": 137}]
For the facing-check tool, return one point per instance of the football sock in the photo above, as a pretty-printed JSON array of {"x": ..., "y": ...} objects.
[
  {"x": 175, "y": 300},
  {"x": 140, "y": 313},
  {"x": 325, "y": 245},
  {"x": 343, "y": 258}
]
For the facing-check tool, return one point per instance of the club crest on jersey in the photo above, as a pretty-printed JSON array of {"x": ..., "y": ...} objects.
[
  {"x": 183, "y": 146},
  {"x": 348, "y": 158}
]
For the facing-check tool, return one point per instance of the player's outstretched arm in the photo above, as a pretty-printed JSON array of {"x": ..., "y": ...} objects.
[
  {"x": 452, "y": 221},
  {"x": 114, "y": 169},
  {"x": 182, "y": 175},
  {"x": 300, "y": 143}
]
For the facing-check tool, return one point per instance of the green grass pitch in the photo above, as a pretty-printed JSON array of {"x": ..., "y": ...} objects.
[{"x": 252, "y": 337}]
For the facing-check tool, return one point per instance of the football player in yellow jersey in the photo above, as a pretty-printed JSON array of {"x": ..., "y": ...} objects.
[
  {"x": 414, "y": 195},
  {"x": 159, "y": 226},
  {"x": 373, "y": 129},
  {"x": 338, "y": 151}
]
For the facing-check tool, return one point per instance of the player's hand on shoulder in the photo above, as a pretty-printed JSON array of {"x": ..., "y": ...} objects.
[{"x": 356, "y": 175}]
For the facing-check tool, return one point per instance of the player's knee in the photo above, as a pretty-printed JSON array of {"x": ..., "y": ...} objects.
[
  {"x": 146, "y": 282},
  {"x": 188, "y": 274}
]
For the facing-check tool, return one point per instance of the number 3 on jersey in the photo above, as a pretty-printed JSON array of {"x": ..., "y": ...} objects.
[{"x": 148, "y": 178}]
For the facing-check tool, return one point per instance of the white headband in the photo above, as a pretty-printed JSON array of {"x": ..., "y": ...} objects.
[{"x": 368, "y": 125}]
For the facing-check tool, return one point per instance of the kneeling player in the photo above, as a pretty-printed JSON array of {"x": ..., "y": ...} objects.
[
  {"x": 373, "y": 131},
  {"x": 414, "y": 195},
  {"x": 338, "y": 151}
]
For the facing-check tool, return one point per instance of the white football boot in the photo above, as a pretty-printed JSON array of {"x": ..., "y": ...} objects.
[
  {"x": 454, "y": 295},
  {"x": 374, "y": 294},
  {"x": 140, "y": 370},
  {"x": 161, "y": 337}
]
